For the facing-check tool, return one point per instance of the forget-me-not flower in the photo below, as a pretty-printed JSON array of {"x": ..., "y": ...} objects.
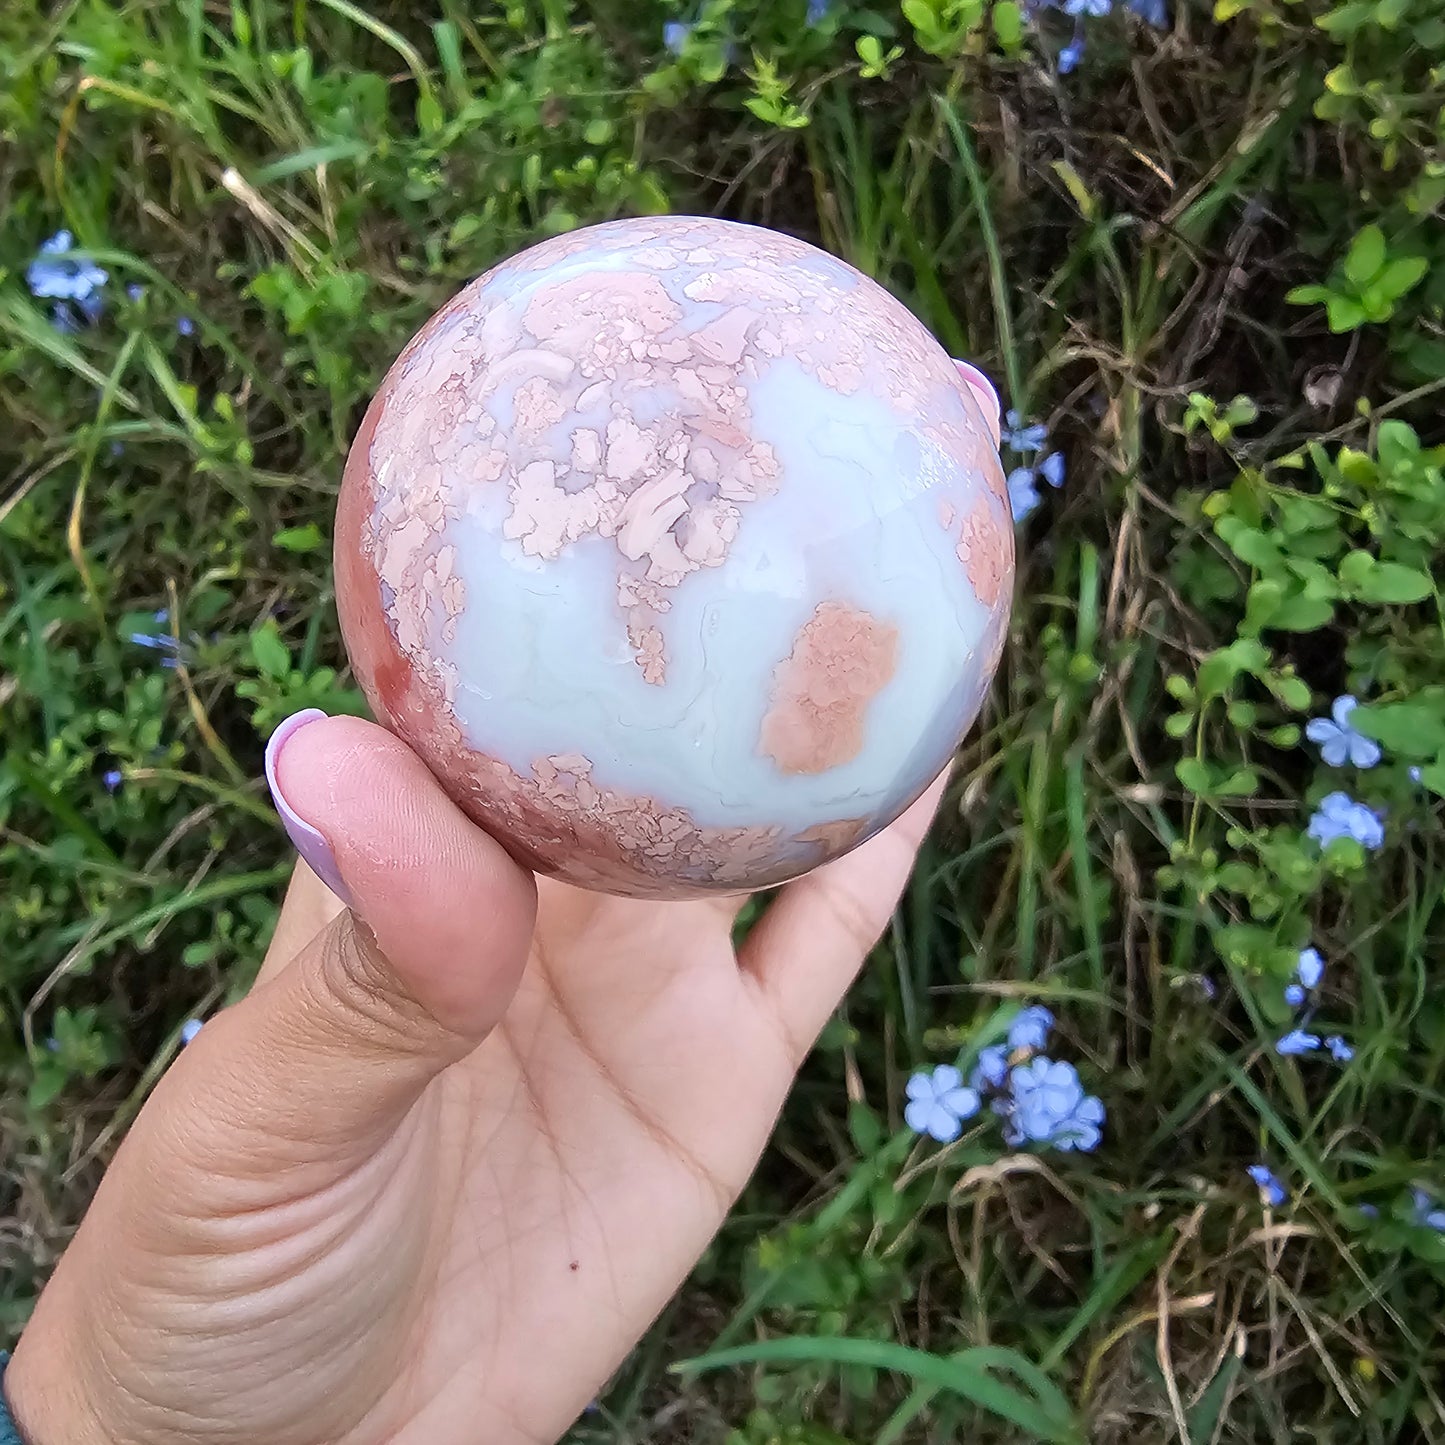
[
  {"x": 112, "y": 778},
  {"x": 1023, "y": 484},
  {"x": 1020, "y": 438},
  {"x": 1308, "y": 972},
  {"x": 939, "y": 1102},
  {"x": 1270, "y": 1187},
  {"x": 1051, "y": 1107},
  {"x": 185, "y": 326},
  {"x": 818, "y": 11},
  {"x": 674, "y": 35},
  {"x": 1427, "y": 1212},
  {"x": 1310, "y": 968},
  {"x": 1072, "y": 54},
  {"x": 1030, "y": 1029},
  {"x": 1297, "y": 1041},
  {"x": 62, "y": 273},
  {"x": 1339, "y": 741},
  {"x": 1339, "y": 816},
  {"x": 991, "y": 1068},
  {"x": 161, "y": 642},
  {"x": 1340, "y": 1051},
  {"x": 1087, "y": 7},
  {"x": 189, "y": 1030},
  {"x": 1023, "y": 492},
  {"x": 135, "y": 291}
]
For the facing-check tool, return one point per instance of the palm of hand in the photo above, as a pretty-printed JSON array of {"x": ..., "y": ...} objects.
[
  {"x": 311, "y": 1238},
  {"x": 632, "y": 1082}
]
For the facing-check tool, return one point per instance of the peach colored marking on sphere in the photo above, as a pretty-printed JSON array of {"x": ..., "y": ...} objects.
[
  {"x": 842, "y": 658},
  {"x": 985, "y": 548}
]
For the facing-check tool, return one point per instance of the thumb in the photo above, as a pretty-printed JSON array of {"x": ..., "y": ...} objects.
[{"x": 338, "y": 1045}]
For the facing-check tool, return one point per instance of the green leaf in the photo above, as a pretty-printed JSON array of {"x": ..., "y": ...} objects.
[
  {"x": 1347, "y": 19},
  {"x": 1302, "y": 613},
  {"x": 45, "y": 1087},
  {"x": 1365, "y": 257},
  {"x": 1293, "y": 692},
  {"x": 1401, "y": 276},
  {"x": 1039, "y": 1410},
  {"x": 1264, "y": 601},
  {"x": 1241, "y": 783},
  {"x": 1410, "y": 729},
  {"x": 921, "y": 15},
  {"x": 1249, "y": 544},
  {"x": 1355, "y": 568},
  {"x": 1195, "y": 774},
  {"x": 1390, "y": 582},
  {"x": 300, "y": 539},
  {"x": 269, "y": 653},
  {"x": 1345, "y": 314},
  {"x": 1008, "y": 24}
]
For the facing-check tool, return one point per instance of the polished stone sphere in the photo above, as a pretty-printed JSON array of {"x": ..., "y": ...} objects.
[{"x": 680, "y": 552}]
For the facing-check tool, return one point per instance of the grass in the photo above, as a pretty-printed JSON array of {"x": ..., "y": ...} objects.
[{"x": 307, "y": 183}]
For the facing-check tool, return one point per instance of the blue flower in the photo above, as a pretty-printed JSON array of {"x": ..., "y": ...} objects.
[
  {"x": 1051, "y": 1107},
  {"x": 1270, "y": 1187},
  {"x": 1370, "y": 1211},
  {"x": 1083, "y": 1129},
  {"x": 156, "y": 641},
  {"x": 991, "y": 1069},
  {"x": 186, "y": 326},
  {"x": 675, "y": 34},
  {"x": 135, "y": 291},
  {"x": 1416, "y": 773},
  {"x": 1308, "y": 971},
  {"x": 161, "y": 642},
  {"x": 938, "y": 1103},
  {"x": 1339, "y": 742},
  {"x": 1208, "y": 987},
  {"x": 1427, "y": 1212},
  {"x": 1340, "y": 1051},
  {"x": 62, "y": 273},
  {"x": 112, "y": 779},
  {"x": 1030, "y": 1029},
  {"x": 1020, "y": 438},
  {"x": 63, "y": 319},
  {"x": 1087, "y": 7},
  {"x": 1023, "y": 492},
  {"x": 1339, "y": 816},
  {"x": 1071, "y": 55},
  {"x": 1310, "y": 968},
  {"x": 1023, "y": 484},
  {"x": 818, "y": 11},
  {"x": 1297, "y": 1041},
  {"x": 1152, "y": 12},
  {"x": 189, "y": 1030}
]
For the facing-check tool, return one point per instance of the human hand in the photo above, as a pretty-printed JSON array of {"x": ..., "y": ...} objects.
[{"x": 433, "y": 1178}]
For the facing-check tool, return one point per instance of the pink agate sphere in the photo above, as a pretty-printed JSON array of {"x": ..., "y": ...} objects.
[{"x": 680, "y": 551}]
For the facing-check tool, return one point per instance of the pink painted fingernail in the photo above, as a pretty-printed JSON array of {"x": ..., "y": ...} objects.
[
  {"x": 310, "y": 844},
  {"x": 984, "y": 390}
]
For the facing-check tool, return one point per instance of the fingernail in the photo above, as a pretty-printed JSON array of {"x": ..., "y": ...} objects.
[
  {"x": 987, "y": 396},
  {"x": 309, "y": 842}
]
